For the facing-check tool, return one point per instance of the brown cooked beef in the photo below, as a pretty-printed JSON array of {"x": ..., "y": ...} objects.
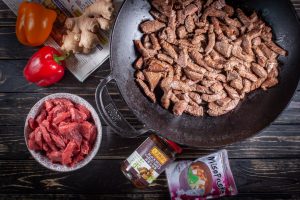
[{"x": 204, "y": 55}]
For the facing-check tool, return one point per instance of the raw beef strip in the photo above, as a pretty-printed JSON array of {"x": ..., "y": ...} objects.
[
  {"x": 83, "y": 109},
  {"x": 47, "y": 138},
  {"x": 64, "y": 102},
  {"x": 48, "y": 126},
  {"x": 64, "y": 128},
  {"x": 88, "y": 131},
  {"x": 57, "y": 109},
  {"x": 68, "y": 153},
  {"x": 71, "y": 132},
  {"x": 46, "y": 147},
  {"x": 77, "y": 159},
  {"x": 49, "y": 105},
  {"x": 41, "y": 117},
  {"x": 85, "y": 149},
  {"x": 31, "y": 142},
  {"x": 58, "y": 141},
  {"x": 93, "y": 135},
  {"x": 77, "y": 116},
  {"x": 38, "y": 137},
  {"x": 32, "y": 124},
  {"x": 55, "y": 156},
  {"x": 61, "y": 117}
]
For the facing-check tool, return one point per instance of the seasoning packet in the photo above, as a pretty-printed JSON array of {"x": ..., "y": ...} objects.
[{"x": 205, "y": 178}]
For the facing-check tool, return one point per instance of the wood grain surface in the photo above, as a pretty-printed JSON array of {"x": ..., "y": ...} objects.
[{"x": 266, "y": 166}]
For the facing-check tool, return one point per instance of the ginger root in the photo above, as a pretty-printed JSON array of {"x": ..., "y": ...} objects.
[{"x": 81, "y": 32}]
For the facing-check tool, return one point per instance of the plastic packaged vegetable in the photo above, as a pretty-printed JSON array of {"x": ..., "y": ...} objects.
[{"x": 205, "y": 178}]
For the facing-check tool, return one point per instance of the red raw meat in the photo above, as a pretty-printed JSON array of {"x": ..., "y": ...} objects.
[
  {"x": 85, "y": 149},
  {"x": 93, "y": 135},
  {"x": 65, "y": 128},
  {"x": 41, "y": 117},
  {"x": 58, "y": 141},
  {"x": 49, "y": 118},
  {"x": 48, "y": 126},
  {"x": 77, "y": 116},
  {"x": 63, "y": 102},
  {"x": 61, "y": 117},
  {"x": 31, "y": 142},
  {"x": 68, "y": 153},
  {"x": 55, "y": 156},
  {"x": 47, "y": 138},
  {"x": 62, "y": 131},
  {"x": 38, "y": 137},
  {"x": 88, "y": 131},
  {"x": 32, "y": 124},
  {"x": 46, "y": 147},
  {"x": 49, "y": 105},
  {"x": 71, "y": 132},
  {"x": 77, "y": 159},
  {"x": 57, "y": 109},
  {"x": 83, "y": 109}
]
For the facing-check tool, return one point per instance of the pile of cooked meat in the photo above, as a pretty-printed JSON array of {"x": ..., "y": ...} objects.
[{"x": 205, "y": 56}]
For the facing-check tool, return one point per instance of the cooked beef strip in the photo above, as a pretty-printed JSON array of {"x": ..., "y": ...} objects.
[
  {"x": 190, "y": 9},
  {"x": 164, "y": 7},
  {"x": 211, "y": 40},
  {"x": 259, "y": 70},
  {"x": 146, "y": 89},
  {"x": 169, "y": 49},
  {"x": 139, "y": 63},
  {"x": 205, "y": 56},
  {"x": 196, "y": 111},
  {"x": 151, "y": 26},
  {"x": 152, "y": 78},
  {"x": 164, "y": 57},
  {"x": 180, "y": 107},
  {"x": 158, "y": 16}
]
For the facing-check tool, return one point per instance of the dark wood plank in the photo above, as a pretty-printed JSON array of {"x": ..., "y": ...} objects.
[
  {"x": 277, "y": 141},
  {"x": 260, "y": 176},
  {"x": 157, "y": 196},
  {"x": 15, "y": 107},
  {"x": 7, "y": 17},
  {"x": 12, "y": 49},
  {"x": 84, "y": 196},
  {"x": 12, "y": 79},
  {"x": 296, "y": 4}
]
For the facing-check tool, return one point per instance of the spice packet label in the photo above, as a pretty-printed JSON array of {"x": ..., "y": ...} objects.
[
  {"x": 205, "y": 178},
  {"x": 147, "y": 161}
]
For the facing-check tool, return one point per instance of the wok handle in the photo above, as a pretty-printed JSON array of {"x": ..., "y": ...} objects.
[{"x": 110, "y": 114}]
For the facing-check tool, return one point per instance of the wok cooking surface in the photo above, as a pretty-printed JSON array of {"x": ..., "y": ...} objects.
[{"x": 252, "y": 115}]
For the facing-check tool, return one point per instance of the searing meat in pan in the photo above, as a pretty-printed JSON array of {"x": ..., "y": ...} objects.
[{"x": 205, "y": 56}]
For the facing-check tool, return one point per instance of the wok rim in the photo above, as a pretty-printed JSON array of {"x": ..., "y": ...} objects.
[{"x": 227, "y": 142}]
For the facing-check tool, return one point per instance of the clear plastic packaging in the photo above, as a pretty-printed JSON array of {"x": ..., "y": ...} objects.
[{"x": 205, "y": 178}]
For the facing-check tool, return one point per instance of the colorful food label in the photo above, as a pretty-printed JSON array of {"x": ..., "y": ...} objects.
[
  {"x": 147, "y": 161},
  {"x": 205, "y": 178}
]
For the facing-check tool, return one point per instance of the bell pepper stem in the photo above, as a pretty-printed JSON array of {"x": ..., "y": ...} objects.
[{"x": 58, "y": 59}]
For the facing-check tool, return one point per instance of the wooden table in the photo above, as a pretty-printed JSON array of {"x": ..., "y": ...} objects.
[{"x": 264, "y": 166}]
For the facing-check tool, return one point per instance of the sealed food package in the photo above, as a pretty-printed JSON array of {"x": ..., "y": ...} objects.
[
  {"x": 149, "y": 160},
  {"x": 205, "y": 178}
]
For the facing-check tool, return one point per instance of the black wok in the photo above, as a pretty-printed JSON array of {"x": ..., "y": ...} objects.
[{"x": 253, "y": 114}]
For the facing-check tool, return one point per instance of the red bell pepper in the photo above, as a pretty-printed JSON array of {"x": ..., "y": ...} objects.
[{"x": 45, "y": 67}]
